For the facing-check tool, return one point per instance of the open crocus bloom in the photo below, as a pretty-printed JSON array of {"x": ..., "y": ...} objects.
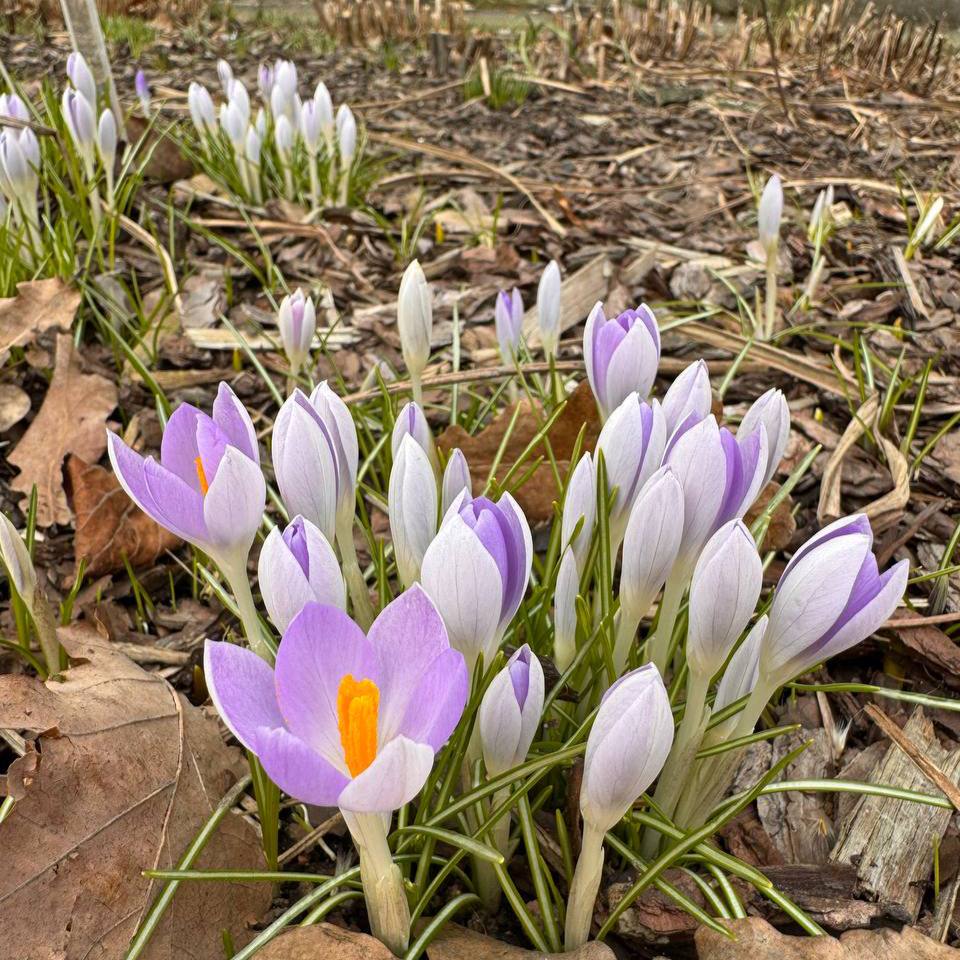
[
  {"x": 346, "y": 719},
  {"x": 622, "y": 355},
  {"x": 207, "y": 487}
]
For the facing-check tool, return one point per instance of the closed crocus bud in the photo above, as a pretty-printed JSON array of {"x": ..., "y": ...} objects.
[
  {"x": 415, "y": 319},
  {"x": 411, "y": 421},
  {"x": 251, "y": 146},
  {"x": 335, "y": 415},
  {"x": 297, "y": 320},
  {"x": 233, "y": 125},
  {"x": 476, "y": 571},
  {"x": 142, "y": 89},
  {"x": 82, "y": 79},
  {"x": 622, "y": 355},
  {"x": 580, "y": 503},
  {"x": 770, "y": 214},
  {"x": 265, "y": 81},
  {"x": 12, "y": 106},
  {"x": 412, "y": 502},
  {"x": 508, "y": 318},
  {"x": 456, "y": 479},
  {"x": 225, "y": 73},
  {"x": 548, "y": 308},
  {"x": 721, "y": 476},
  {"x": 772, "y": 411},
  {"x": 324, "y": 106},
  {"x": 723, "y": 596},
  {"x": 240, "y": 99},
  {"x": 650, "y": 543},
  {"x": 260, "y": 124},
  {"x": 16, "y": 558},
  {"x": 509, "y": 714},
  {"x": 346, "y": 134},
  {"x": 689, "y": 398},
  {"x": 310, "y": 127},
  {"x": 202, "y": 112},
  {"x": 740, "y": 676},
  {"x": 281, "y": 105},
  {"x": 81, "y": 124},
  {"x": 565, "y": 611},
  {"x": 284, "y": 136},
  {"x": 632, "y": 443},
  {"x": 17, "y": 178},
  {"x": 298, "y": 566},
  {"x": 107, "y": 138},
  {"x": 305, "y": 463},
  {"x": 285, "y": 77},
  {"x": 831, "y": 596}
]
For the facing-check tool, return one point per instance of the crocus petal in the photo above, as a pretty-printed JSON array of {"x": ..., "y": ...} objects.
[
  {"x": 16, "y": 559},
  {"x": 499, "y": 724},
  {"x": 412, "y": 505},
  {"x": 520, "y": 547},
  {"x": 456, "y": 478},
  {"x": 298, "y": 769},
  {"x": 178, "y": 446},
  {"x": 464, "y": 582},
  {"x": 690, "y": 394},
  {"x": 241, "y": 687},
  {"x": 595, "y": 321},
  {"x": 320, "y": 648},
  {"x": 436, "y": 704},
  {"x": 339, "y": 421},
  {"x": 632, "y": 367},
  {"x": 580, "y": 501},
  {"x": 407, "y": 636},
  {"x": 565, "y": 611},
  {"x": 232, "y": 418},
  {"x": 772, "y": 411},
  {"x": 858, "y": 523},
  {"x": 179, "y": 507},
  {"x": 740, "y": 676},
  {"x": 394, "y": 778},
  {"x": 234, "y": 504}
]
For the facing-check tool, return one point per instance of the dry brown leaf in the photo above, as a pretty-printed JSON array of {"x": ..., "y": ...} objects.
[
  {"x": 129, "y": 772},
  {"x": 538, "y": 493},
  {"x": 165, "y": 161},
  {"x": 757, "y": 940},
  {"x": 14, "y": 405},
  {"x": 782, "y": 526},
  {"x": 72, "y": 419},
  {"x": 110, "y": 526},
  {"x": 934, "y": 646},
  {"x": 38, "y": 306}
]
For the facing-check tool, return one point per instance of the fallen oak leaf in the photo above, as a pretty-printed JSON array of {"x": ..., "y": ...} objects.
[
  {"x": 14, "y": 405},
  {"x": 129, "y": 771},
  {"x": 73, "y": 420},
  {"x": 110, "y": 526},
  {"x": 38, "y": 306}
]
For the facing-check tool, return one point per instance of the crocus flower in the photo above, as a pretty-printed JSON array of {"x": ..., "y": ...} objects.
[
  {"x": 351, "y": 721},
  {"x": 265, "y": 81},
  {"x": 142, "y": 89},
  {"x": 565, "y": 610},
  {"x": 310, "y": 127},
  {"x": 626, "y": 749},
  {"x": 233, "y": 125},
  {"x": 346, "y": 135},
  {"x": 16, "y": 559},
  {"x": 336, "y": 416},
  {"x": 622, "y": 355},
  {"x": 632, "y": 442},
  {"x": 298, "y": 566},
  {"x": 240, "y": 100},
  {"x": 723, "y": 596},
  {"x": 689, "y": 398},
  {"x": 285, "y": 80},
  {"x": 509, "y": 714},
  {"x": 415, "y": 321},
  {"x": 305, "y": 462},
  {"x": 411, "y": 420},
  {"x": 82, "y": 79},
  {"x": 739, "y": 678},
  {"x": 508, "y": 318},
  {"x": 12, "y": 106},
  {"x": 324, "y": 108},
  {"x": 830, "y": 597},
  {"x": 225, "y": 73},
  {"x": 208, "y": 487},
  {"x": 107, "y": 138},
  {"x": 650, "y": 547},
  {"x": 456, "y": 479},
  {"x": 412, "y": 502},
  {"x": 548, "y": 308},
  {"x": 81, "y": 125},
  {"x": 297, "y": 320},
  {"x": 822, "y": 212},
  {"x": 769, "y": 215},
  {"x": 251, "y": 146},
  {"x": 476, "y": 570},
  {"x": 283, "y": 135},
  {"x": 580, "y": 503},
  {"x": 18, "y": 178},
  {"x": 202, "y": 111},
  {"x": 721, "y": 475},
  {"x": 772, "y": 411}
]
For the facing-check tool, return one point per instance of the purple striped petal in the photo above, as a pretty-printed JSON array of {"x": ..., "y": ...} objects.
[
  {"x": 298, "y": 769},
  {"x": 232, "y": 418}
]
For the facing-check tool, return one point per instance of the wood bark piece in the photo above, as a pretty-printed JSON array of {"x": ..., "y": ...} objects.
[{"x": 891, "y": 841}]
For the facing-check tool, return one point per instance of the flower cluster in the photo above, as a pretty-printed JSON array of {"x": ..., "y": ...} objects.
[{"x": 309, "y": 149}]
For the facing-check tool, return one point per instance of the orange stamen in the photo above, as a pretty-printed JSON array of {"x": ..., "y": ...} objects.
[
  {"x": 358, "y": 703},
  {"x": 201, "y": 476}
]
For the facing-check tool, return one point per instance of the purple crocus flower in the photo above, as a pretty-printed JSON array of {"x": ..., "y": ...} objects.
[
  {"x": 508, "y": 318},
  {"x": 412, "y": 502},
  {"x": 142, "y": 89},
  {"x": 831, "y": 596},
  {"x": 81, "y": 124},
  {"x": 80, "y": 76},
  {"x": 456, "y": 479},
  {"x": 411, "y": 421},
  {"x": 345, "y": 719},
  {"x": 622, "y": 355},
  {"x": 208, "y": 487},
  {"x": 297, "y": 320},
  {"x": 12, "y": 106},
  {"x": 772, "y": 411},
  {"x": 476, "y": 570},
  {"x": 298, "y": 566},
  {"x": 689, "y": 398},
  {"x": 509, "y": 714}
]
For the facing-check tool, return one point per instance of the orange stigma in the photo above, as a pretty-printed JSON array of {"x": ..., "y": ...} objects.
[
  {"x": 201, "y": 476},
  {"x": 358, "y": 703}
]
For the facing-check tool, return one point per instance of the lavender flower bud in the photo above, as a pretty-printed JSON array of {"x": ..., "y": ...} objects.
[
  {"x": 456, "y": 479},
  {"x": 580, "y": 502},
  {"x": 770, "y": 214},
  {"x": 82, "y": 79},
  {"x": 412, "y": 502},
  {"x": 297, "y": 321},
  {"x": 415, "y": 318},
  {"x": 548, "y": 308}
]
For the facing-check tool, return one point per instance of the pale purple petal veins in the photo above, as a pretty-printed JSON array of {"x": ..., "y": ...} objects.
[
  {"x": 858, "y": 523},
  {"x": 867, "y": 585},
  {"x": 178, "y": 447},
  {"x": 320, "y": 647},
  {"x": 295, "y": 537},
  {"x": 241, "y": 687},
  {"x": 394, "y": 778},
  {"x": 180, "y": 507},
  {"x": 480, "y": 514},
  {"x": 212, "y": 444},
  {"x": 436, "y": 703},
  {"x": 608, "y": 337},
  {"x": 515, "y": 538},
  {"x": 298, "y": 769},
  {"x": 520, "y": 677},
  {"x": 232, "y": 418}
]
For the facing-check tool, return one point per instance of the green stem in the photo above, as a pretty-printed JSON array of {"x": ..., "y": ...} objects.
[
  {"x": 658, "y": 646},
  {"x": 239, "y": 582},
  {"x": 485, "y": 877},
  {"x": 626, "y": 634},
  {"x": 363, "y": 611},
  {"x": 770, "y": 305},
  {"x": 583, "y": 890}
]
